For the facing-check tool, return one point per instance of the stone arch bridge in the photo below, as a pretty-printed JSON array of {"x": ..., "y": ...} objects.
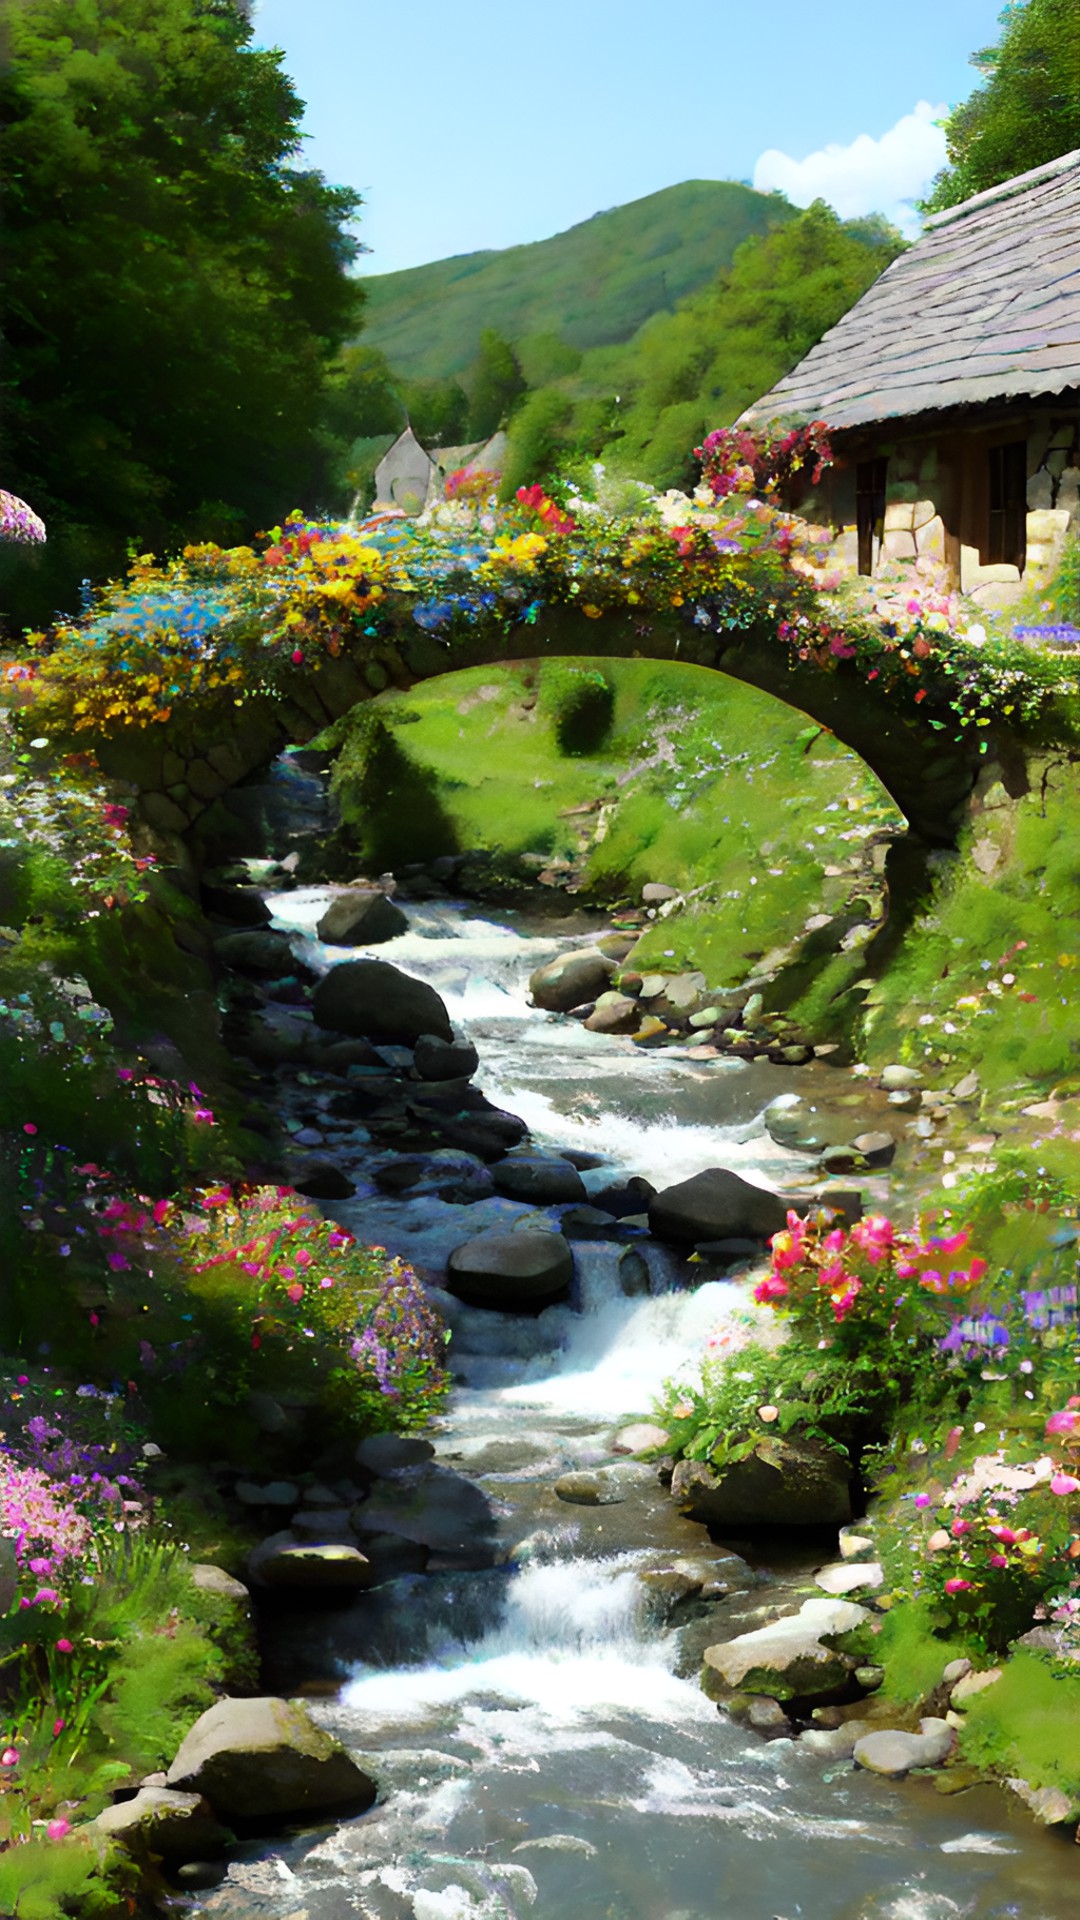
[{"x": 179, "y": 772}]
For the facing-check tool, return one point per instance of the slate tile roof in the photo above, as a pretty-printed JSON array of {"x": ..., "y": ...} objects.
[{"x": 985, "y": 306}]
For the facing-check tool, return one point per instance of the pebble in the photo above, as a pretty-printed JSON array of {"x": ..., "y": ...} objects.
[{"x": 898, "y": 1079}]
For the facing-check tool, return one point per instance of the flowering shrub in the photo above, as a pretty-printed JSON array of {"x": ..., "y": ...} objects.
[
  {"x": 1004, "y": 1549},
  {"x": 311, "y": 1302},
  {"x": 850, "y": 1285},
  {"x": 735, "y": 460}
]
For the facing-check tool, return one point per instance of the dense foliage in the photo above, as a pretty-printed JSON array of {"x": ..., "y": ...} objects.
[
  {"x": 1027, "y": 110},
  {"x": 173, "y": 283}
]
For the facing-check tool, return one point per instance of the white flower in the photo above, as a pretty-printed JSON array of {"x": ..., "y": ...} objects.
[{"x": 976, "y": 636}]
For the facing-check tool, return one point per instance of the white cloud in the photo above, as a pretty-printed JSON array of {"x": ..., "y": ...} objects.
[{"x": 870, "y": 176}]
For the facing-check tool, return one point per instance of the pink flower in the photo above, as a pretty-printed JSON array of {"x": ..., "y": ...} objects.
[
  {"x": 771, "y": 1289},
  {"x": 58, "y": 1829},
  {"x": 922, "y": 1499},
  {"x": 297, "y": 656},
  {"x": 58, "y": 1728},
  {"x": 960, "y": 1527},
  {"x": 958, "y": 1586},
  {"x": 295, "y": 1293},
  {"x": 999, "y": 1560},
  {"x": 1064, "y": 1483},
  {"x": 9, "y": 1757},
  {"x": 125, "y": 1073},
  {"x": 1066, "y": 1422},
  {"x": 64, "y": 1646}
]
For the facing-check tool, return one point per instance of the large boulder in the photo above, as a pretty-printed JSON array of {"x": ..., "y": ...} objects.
[
  {"x": 360, "y": 917},
  {"x": 790, "y": 1658},
  {"x": 431, "y": 1506},
  {"x": 788, "y": 1481},
  {"x": 541, "y": 1181},
  {"x": 716, "y": 1205},
  {"x": 515, "y": 1272},
  {"x": 265, "y": 952},
  {"x": 374, "y": 1000},
  {"x": 266, "y": 1757},
  {"x": 571, "y": 979},
  {"x": 284, "y": 1560}
]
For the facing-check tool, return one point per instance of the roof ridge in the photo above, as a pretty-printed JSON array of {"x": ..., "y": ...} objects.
[{"x": 1005, "y": 189}]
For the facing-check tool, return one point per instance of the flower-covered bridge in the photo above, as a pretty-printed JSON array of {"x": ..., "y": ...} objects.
[{"x": 190, "y": 676}]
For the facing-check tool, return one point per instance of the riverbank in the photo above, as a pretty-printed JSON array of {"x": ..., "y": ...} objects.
[{"x": 248, "y": 1108}]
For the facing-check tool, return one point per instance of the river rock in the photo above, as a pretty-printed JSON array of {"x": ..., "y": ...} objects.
[
  {"x": 512, "y": 1272},
  {"x": 898, "y": 1079},
  {"x": 159, "y": 1820},
  {"x": 320, "y": 1179},
  {"x": 788, "y": 1659},
  {"x": 262, "y": 951},
  {"x": 680, "y": 996},
  {"x": 642, "y": 1436},
  {"x": 310, "y": 1565},
  {"x": 432, "y": 1506},
  {"x": 436, "y": 1059},
  {"x": 589, "y": 1489},
  {"x": 877, "y": 1148},
  {"x": 378, "y": 1002},
  {"x": 714, "y": 1205},
  {"x": 614, "y": 1013},
  {"x": 543, "y": 1182},
  {"x": 267, "y": 1757},
  {"x": 761, "y": 1713},
  {"x": 214, "y": 1580},
  {"x": 655, "y": 892},
  {"x": 571, "y": 979},
  {"x": 382, "y": 1453},
  {"x": 243, "y": 905},
  {"x": 1052, "y": 1806},
  {"x": 848, "y": 1576},
  {"x": 835, "y": 1743},
  {"x": 894, "y": 1753},
  {"x": 360, "y": 917},
  {"x": 788, "y": 1481}
]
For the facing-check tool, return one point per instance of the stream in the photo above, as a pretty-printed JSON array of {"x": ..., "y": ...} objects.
[{"x": 531, "y": 1709}]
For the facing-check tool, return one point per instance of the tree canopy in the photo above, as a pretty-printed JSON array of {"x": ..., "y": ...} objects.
[
  {"x": 174, "y": 285},
  {"x": 1027, "y": 110}
]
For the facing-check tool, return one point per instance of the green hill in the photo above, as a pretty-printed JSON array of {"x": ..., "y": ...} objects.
[{"x": 593, "y": 285}]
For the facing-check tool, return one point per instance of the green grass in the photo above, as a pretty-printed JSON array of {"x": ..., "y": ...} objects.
[
  {"x": 1027, "y": 1724},
  {"x": 986, "y": 977},
  {"x": 593, "y": 285},
  {"x": 705, "y": 784}
]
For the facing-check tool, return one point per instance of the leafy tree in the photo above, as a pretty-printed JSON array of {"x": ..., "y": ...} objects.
[
  {"x": 495, "y": 383},
  {"x": 438, "y": 411},
  {"x": 1028, "y": 109},
  {"x": 700, "y": 366},
  {"x": 173, "y": 286},
  {"x": 537, "y": 438}
]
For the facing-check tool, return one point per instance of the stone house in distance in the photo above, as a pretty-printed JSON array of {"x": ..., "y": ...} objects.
[{"x": 952, "y": 394}]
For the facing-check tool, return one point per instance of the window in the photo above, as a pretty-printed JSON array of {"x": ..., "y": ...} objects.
[
  {"x": 1007, "y": 537},
  {"x": 869, "y": 509}
]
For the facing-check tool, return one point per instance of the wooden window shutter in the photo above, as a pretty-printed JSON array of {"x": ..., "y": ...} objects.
[
  {"x": 870, "y": 476},
  {"x": 1007, "y": 533}
]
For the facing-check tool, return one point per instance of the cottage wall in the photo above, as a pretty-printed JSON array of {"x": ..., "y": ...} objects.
[{"x": 937, "y": 497}]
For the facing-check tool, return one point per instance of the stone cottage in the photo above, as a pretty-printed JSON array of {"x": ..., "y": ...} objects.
[{"x": 952, "y": 393}]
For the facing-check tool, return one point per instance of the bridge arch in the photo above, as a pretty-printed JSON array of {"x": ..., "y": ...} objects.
[{"x": 929, "y": 774}]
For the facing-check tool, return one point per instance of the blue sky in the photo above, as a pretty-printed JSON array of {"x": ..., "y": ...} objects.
[{"x": 481, "y": 123}]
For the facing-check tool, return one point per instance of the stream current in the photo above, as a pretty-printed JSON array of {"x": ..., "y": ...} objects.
[{"x": 534, "y": 1719}]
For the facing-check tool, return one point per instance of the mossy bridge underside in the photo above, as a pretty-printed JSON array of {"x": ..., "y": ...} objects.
[{"x": 182, "y": 767}]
